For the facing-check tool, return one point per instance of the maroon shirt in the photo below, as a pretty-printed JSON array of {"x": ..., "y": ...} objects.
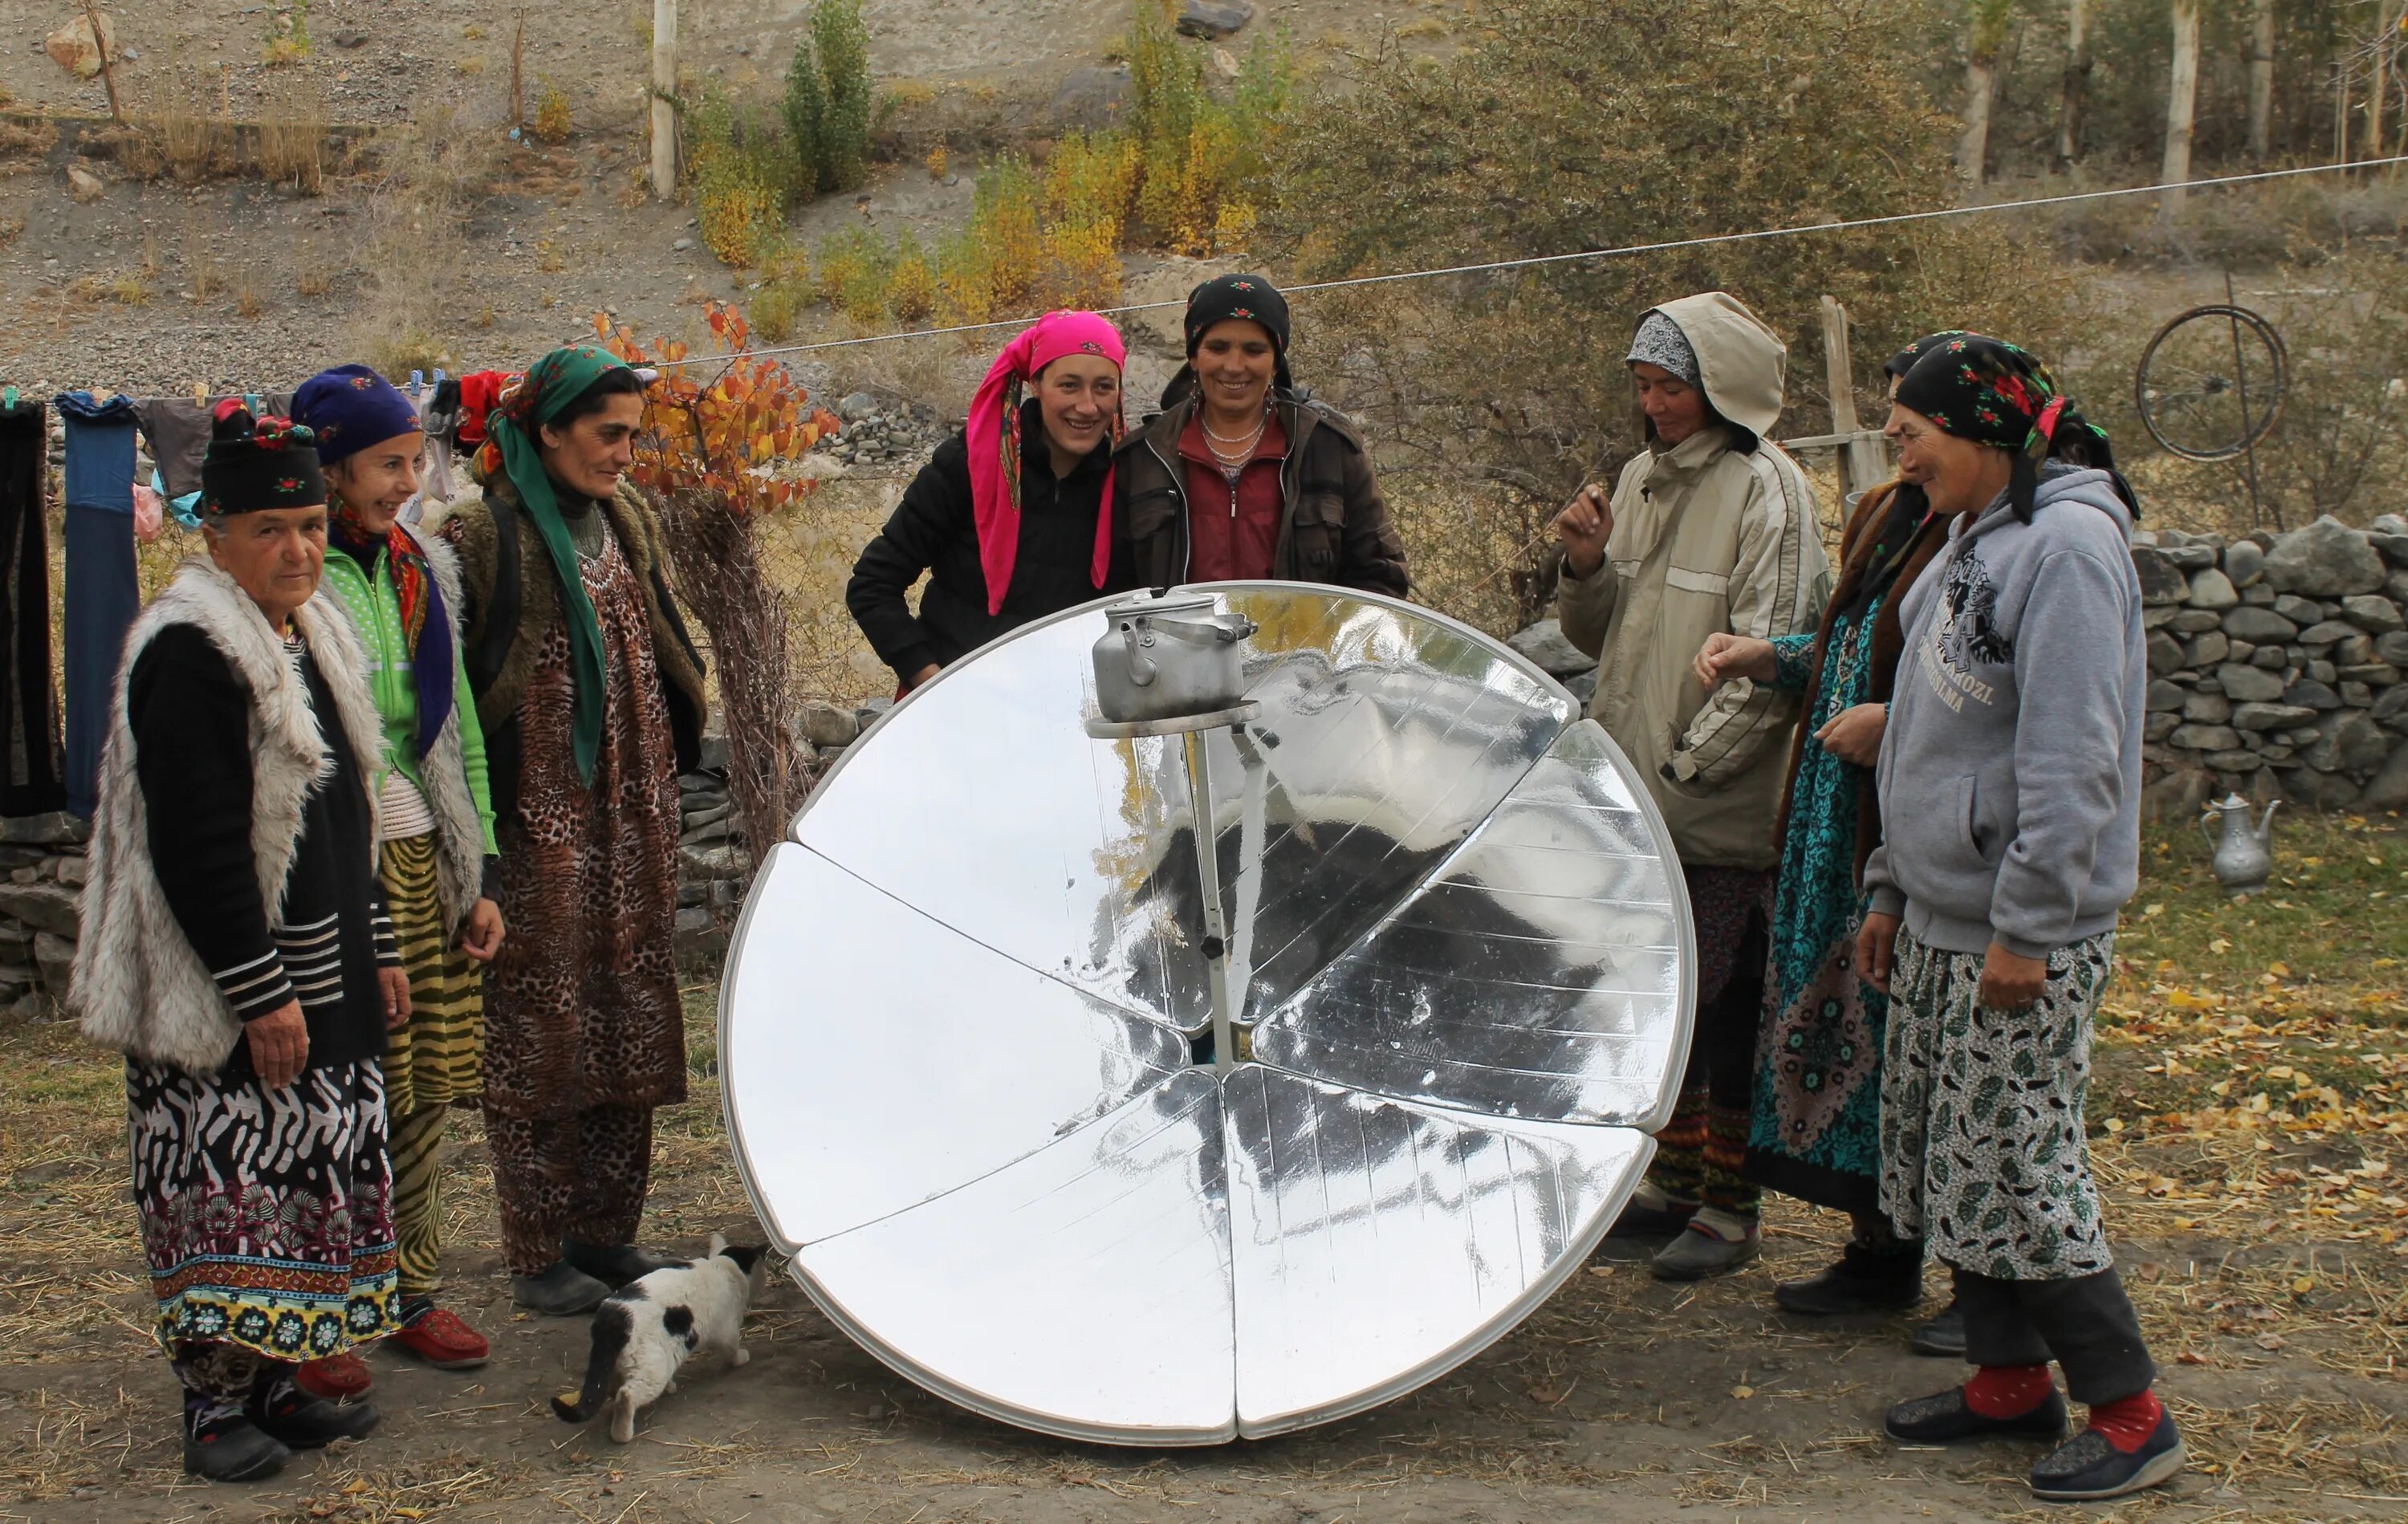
[{"x": 1233, "y": 531}]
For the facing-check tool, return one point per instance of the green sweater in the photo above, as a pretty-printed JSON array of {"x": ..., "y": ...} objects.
[{"x": 376, "y": 611}]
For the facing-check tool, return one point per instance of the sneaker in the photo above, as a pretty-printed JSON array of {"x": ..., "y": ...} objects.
[
  {"x": 442, "y": 1339},
  {"x": 1944, "y": 1418},
  {"x": 2087, "y": 1468},
  {"x": 299, "y": 1421},
  {"x": 1864, "y": 1280},
  {"x": 336, "y": 1379},
  {"x": 233, "y": 1449},
  {"x": 561, "y": 1291},
  {"x": 615, "y": 1265},
  {"x": 1701, "y": 1251},
  {"x": 1943, "y": 1336}
]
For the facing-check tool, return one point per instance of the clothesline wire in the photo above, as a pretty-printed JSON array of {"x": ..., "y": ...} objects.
[{"x": 1625, "y": 251}]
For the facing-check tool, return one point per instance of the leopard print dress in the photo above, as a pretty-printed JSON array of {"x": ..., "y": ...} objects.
[{"x": 582, "y": 1010}]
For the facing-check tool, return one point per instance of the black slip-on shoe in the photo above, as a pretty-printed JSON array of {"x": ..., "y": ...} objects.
[
  {"x": 1942, "y": 1337},
  {"x": 1638, "y": 1221},
  {"x": 1946, "y": 1418},
  {"x": 563, "y": 1290},
  {"x": 233, "y": 1450},
  {"x": 299, "y": 1421},
  {"x": 1864, "y": 1280},
  {"x": 2086, "y": 1468},
  {"x": 615, "y": 1265}
]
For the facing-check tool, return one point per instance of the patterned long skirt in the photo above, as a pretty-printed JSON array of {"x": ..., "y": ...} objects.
[
  {"x": 1983, "y": 1154},
  {"x": 267, "y": 1215}
]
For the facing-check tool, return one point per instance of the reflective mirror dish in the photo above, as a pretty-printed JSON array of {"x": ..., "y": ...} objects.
[{"x": 965, "y": 1017}]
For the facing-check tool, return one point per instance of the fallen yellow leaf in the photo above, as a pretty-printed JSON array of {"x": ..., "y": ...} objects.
[{"x": 1743, "y": 1393}]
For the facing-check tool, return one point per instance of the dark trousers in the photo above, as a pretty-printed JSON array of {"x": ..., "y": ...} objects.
[
  {"x": 1699, "y": 1152},
  {"x": 30, "y": 762},
  {"x": 2087, "y": 1325}
]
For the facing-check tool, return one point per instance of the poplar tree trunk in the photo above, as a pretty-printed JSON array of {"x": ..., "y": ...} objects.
[
  {"x": 2076, "y": 86},
  {"x": 2261, "y": 79},
  {"x": 1985, "y": 40},
  {"x": 2182, "y": 99},
  {"x": 665, "y": 157}
]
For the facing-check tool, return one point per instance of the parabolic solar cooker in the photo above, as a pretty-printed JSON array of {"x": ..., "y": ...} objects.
[{"x": 981, "y": 1091}]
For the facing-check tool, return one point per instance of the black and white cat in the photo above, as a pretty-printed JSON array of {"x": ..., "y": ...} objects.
[{"x": 645, "y": 1331}]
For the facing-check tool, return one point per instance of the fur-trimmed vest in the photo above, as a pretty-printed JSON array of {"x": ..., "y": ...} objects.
[
  {"x": 140, "y": 987},
  {"x": 443, "y": 775}
]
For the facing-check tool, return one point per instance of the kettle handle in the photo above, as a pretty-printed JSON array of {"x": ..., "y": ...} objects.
[
  {"x": 1141, "y": 667},
  {"x": 2211, "y": 812}
]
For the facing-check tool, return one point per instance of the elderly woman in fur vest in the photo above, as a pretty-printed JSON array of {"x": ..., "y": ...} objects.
[
  {"x": 434, "y": 826},
  {"x": 592, "y": 701},
  {"x": 236, "y": 950}
]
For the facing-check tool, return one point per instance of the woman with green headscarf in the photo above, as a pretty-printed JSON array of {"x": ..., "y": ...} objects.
[{"x": 591, "y": 700}]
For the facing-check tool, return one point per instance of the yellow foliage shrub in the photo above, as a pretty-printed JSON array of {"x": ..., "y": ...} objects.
[
  {"x": 551, "y": 114},
  {"x": 911, "y": 285},
  {"x": 734, "y": 209}
]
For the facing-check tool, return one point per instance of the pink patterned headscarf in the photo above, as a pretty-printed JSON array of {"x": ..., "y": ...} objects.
[{"x": 993, "y": 438}]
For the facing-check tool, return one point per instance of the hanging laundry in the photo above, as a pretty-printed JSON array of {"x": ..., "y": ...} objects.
[
  {"x": 103, "y": 594},
  {"x": 30, "y": 763},
  {"x": 178, "y": 430},
  {"x": 478, "y": 392}
]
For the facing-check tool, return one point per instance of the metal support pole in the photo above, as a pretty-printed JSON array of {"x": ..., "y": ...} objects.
[{"x": 1208, "y": 874}]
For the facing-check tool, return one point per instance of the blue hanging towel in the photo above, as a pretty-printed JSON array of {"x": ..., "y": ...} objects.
[{"x": 103, "y": 594}]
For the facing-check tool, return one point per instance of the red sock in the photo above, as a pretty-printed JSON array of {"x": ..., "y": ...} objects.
[
  {"x": 2128, "y": 1422},
  {"x": 2008, "y": 1391}
]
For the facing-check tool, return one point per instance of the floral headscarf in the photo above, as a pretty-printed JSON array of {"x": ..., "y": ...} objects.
[{"x": 1996, "y": 394}]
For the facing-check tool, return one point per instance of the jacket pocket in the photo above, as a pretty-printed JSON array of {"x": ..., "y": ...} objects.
[
  {"x": 1151, "y": 512},
  {"x": 1317, "y": 530}
]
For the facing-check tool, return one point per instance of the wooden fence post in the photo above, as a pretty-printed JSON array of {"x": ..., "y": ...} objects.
[
  {"x": 665, "y": 84},
  {"x": 1863, "y": 461},
  {"x": 108, "y": 66}
]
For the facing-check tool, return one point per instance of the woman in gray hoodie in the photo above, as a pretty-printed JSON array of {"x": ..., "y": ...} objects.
[{"x": 2010, "y": 784}]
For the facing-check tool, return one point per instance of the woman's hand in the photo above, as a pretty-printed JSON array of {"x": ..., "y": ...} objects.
[
  {"x": 480, "y": 935},
  {"x": 1726, "y": 657},
  {"x": 1584, "y": 527},
  {"x": 279, "y": 1044},
  {"x": 924, "y": 675},
  {"x": 395, "y": 984},
  {"x": 1876, "y": 941},
  {"x": 2010, "y": 981},
  {"x": 1854, "y": 734}
]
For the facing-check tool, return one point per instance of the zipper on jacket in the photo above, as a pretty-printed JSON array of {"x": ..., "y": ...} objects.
[{"x": 1178, "y": 485}]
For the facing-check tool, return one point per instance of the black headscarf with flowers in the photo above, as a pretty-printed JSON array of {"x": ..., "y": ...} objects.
[{"x": 1996, "y": 394}]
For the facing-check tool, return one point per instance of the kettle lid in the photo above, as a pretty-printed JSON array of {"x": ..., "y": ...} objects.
[
  {"x": 2230, "y": 802},
  {"x": 1168, "y": 606}
]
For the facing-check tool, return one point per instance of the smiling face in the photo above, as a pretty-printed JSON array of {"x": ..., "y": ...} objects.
[
  {"x": 275, "y": 555},
  {"x": 1675, "y": 407},
  {"x": 1078, "y": 397},
  {"x": 1234, "y": 362},
  {"x": 375, "y": 482},
  {"x": 1956, "y": 474},
  {"x": 592, "y": 453}
]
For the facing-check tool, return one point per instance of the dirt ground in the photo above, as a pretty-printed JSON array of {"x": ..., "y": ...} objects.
[{"x": 1623, "y": 1398}]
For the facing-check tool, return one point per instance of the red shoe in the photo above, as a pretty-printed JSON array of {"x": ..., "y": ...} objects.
[
  {"x": 333, "y": 1379},
  {"x": 442, "y": 1340}
]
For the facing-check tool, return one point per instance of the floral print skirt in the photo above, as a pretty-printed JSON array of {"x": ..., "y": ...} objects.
[
  {"x": 1983, "y": 1154},
  {"x": 267, "y": 1215}
]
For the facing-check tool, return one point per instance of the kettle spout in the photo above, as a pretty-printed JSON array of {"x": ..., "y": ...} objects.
[{"x": 2266, "y": 823}]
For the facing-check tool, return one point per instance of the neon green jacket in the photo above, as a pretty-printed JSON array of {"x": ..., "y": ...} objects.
[{"x": 375, "y": 613}]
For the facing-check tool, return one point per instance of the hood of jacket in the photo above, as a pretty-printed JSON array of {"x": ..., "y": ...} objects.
[
  {"x": 1742, "y": 362},
  {"x": 2059, "y": 483}
]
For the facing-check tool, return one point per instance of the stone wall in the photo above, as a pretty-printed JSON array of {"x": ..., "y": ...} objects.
[{"x": 2275, "y": 666}]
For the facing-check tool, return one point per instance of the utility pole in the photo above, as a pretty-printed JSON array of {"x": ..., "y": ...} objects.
[{"x": 665, "y": 84}]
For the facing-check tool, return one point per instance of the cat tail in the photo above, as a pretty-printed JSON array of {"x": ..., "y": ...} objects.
[{"x": 601, "y": 1367}]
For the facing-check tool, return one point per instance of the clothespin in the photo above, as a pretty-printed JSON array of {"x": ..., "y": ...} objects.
[
  {"x": 438, "y": 375},
  {"x": 250, "y": 402},
  {"x": 7, "y": 397},
  {"x": 200, "y": 395},
  {"x": 417, "y": 381}
]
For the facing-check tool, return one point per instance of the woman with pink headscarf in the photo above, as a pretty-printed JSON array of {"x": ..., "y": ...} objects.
[{"x": 1012, "y": 519}]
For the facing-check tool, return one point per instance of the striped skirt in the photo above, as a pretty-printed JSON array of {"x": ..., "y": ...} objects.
[{"x": 437, "y": 1059}]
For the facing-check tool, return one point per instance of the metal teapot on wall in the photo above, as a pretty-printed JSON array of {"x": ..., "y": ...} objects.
[{"x": 2244, "y": 858}]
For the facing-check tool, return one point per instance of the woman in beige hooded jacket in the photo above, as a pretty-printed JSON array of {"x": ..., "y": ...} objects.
[{"x": 1709, "y": 529}]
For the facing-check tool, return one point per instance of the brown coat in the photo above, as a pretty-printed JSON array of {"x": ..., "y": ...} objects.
[
  {"x": 513, "y": 597},
  {"x": 1889, "y": 643}
]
